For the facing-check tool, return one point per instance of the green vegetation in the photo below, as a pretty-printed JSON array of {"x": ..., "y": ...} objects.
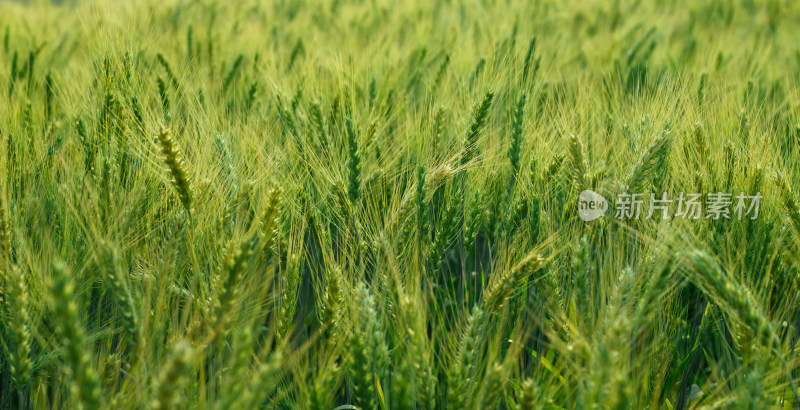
[{"x": 299, "y": 204}]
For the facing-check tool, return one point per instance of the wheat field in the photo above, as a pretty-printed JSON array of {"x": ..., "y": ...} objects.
[{"x": 376, "y": 204}]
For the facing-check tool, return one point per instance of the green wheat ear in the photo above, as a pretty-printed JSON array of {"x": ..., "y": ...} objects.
[
  {"x": 369, "y": 358},
  {"x": 85, "y": 384},
  {"x": 651, "y": 163},
  {"x": 508, "y": 281},
  {"x": 726, "y": 291},
  {"x": 173, "y": 376},
  {"x": 420, "y": 196},
  {"x": 333, "y": 304},
  {"x": 173, "y": 159},
  {"x": 5, "y": 235},
  {"x": 318, "y": 123},
  {"x": 353, "y": 164},
  {"x": 232, "y": 272},
  {"x": 579, "y": 167},
  {"x": 232, "y": 73},
  {"x": 263, "y": 383},
  {"x": 441, "y": 73},
  {"x": 528, "y": 395},
  {"x": 122, "y": 296},
  {"x": 460, "y": 380},
  {"x": 289, "y": 294},
  {"x": 270, "y": 219},
  {"x": 162, "y": 93},
  {"x": 517, "y": 123},
  {"x": 18, "y": 332},
  {"x": 493, "y": 386},
  {"x": 168, "y": 69},
  {"x": 480, "y": 115},
  {"x": 789, "y": 203}
]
